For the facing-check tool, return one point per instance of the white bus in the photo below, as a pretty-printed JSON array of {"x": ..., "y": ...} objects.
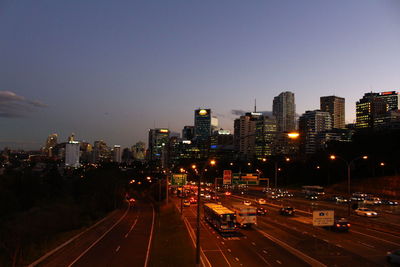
[{"x": 222, "y": 218}]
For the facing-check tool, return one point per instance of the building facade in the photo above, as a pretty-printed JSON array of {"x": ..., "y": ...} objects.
[
  {"x": 284, "y": 110},
  {"x": 72, "y": 152},
  {"x": 335, "y": 106},
  {"x": 202, "y": 124},
  {"x": 311, "y": 123},
  {"x": 158, "y": 141}
]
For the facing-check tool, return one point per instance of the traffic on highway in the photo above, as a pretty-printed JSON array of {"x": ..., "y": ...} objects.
[{"x": 256, "y": 226}]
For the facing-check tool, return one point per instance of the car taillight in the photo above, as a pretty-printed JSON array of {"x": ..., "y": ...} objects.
[
  {"x": 348, "y": 225},
  {"x": 337, "y": 225}
]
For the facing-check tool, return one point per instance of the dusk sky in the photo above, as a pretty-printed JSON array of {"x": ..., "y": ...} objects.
[{"x": 111, "y": 70}]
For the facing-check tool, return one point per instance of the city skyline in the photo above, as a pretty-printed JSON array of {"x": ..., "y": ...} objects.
[{"x": 111, "y": 72}]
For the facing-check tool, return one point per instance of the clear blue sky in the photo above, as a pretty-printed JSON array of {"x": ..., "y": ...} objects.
[{"x": 113, "y": 69}]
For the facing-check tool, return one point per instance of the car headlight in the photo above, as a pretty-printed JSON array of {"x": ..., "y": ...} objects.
[{"x": 369, "y": 213}]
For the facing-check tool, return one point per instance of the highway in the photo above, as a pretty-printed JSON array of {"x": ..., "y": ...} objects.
[
  {"x": 122, "y": 240},
  {"x": 293, "y": 241}
]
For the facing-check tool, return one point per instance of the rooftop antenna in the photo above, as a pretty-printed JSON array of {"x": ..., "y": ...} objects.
[{"x": 255, "y": 105}]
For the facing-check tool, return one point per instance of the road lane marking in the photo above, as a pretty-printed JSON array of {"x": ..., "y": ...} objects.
[
  {"x": 98, "y": 240},
  {"x": 367, "y": 245},
  {"x": 253, "y": 243},
  {"x": 229, "y": 250},
  {"x": 223, "y": 243},
  {"x": 150, "y": 238},
  {"x": 133, "y": 225},
  {"x": 117, "y": 249},
  {"x": 298, "y": 253},
  {"x": 338, "y": 245},
  {"x": 69, "y": 241},
  {"x": 265, "y": 251},
  {"x": 384, "y": 240},
  {"x": 263, "y": 259},
  {"x": 237, "y": 259},
  {"x": 278, "y": 261}
]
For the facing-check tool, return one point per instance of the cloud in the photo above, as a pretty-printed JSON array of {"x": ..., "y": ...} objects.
[
  {"x": 238, "y": 112},
  {"x": 15, "y": 106}
]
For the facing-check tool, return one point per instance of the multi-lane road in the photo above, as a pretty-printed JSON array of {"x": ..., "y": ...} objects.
[
  {"x": 293, "y": 241},
  {"x": 122, "y": 239}
]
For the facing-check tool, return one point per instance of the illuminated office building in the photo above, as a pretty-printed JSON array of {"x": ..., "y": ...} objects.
[
  {"x": 158, "y": 141},
  {"x": 202, "y": 124},
  {"x": 336, "y": 107}
]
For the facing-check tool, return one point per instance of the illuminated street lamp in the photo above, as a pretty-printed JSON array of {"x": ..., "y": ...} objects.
[{"x": 334, "y": 157}]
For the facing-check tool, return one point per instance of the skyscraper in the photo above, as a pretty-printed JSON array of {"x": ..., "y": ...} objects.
[
  {"x": 373, "y": 110},
  {"x": 202, "y": 124},
  {"x": 117, "y": 153},
  {"x": 51, "y": 142},
  {"x": 265, "y": 137},
  {"x": 72, "y": 154},
  {"x": 139, "y": 151},
  {"x": 158, "y": 141},
  {"x": 245, "y": 134},
  {"x": 284, "y": 110},
  {"x": 336, "y": 108},
  {"x": 310, "y": 124}
]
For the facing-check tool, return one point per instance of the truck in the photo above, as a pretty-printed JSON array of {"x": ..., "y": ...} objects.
[{"x": 246, "y": 216}]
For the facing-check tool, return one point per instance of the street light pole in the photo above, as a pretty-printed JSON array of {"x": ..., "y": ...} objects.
[
  {"x": 348, "y": 188},
  {"x": 276, "y": 175},
  {"x": 348, "y": 163}
]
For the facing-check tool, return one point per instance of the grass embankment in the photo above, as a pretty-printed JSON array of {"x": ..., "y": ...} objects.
[{"x": 171, "y": 244}]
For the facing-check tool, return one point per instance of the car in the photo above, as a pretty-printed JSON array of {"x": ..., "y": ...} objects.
[
  {"x": 193, "y": 200},
  {"x": 389, "y": 202},
  {"x": 366, "y": 212},
  {"x": 288, "y": 211},
  {"x": 186, "y": 203},
  {"x": 132, "y": 201},
  {"x": 372, "y": 201},
  {"x": 207, "y": 196},
  {"x": 215, "y": 197},
  {"x": 312, "y": 197},
  {"x": 247, "y": 203},
  {"x": 227, "y": 193},
  {"x": 261, "y": 211},
  {"x": 393, "y": 256},
  {"x": 261, "y": 201},
  {"x": 341, "y": 225}
]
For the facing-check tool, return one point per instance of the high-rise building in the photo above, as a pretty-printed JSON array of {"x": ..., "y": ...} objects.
[
  {"x": 311, "y": 124},
  {"x": 373, "y": 110},
  {"x": 265, "y": 138},
  {"x": 245, "y": 134},
  {"x": 188, "y": 133},
  {"x": 202, "y": 124},
  {"x": 336, "y": 107},
  {"x": 117, "y": 153},
  {"x": 284, "y": 110},
  {"x": 72, "y": 154},
  {"x": 214, "y": 124},
  {"x": 101, "y": 152},
  {"x": 139, "y": 151},
  {"x": 158, "y": 141},
  {"x": 51, "y": 142}
]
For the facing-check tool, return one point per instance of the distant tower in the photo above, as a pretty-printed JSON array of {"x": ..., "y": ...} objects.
[
  {"x": 202, "y": 124},
  {"x": 117, "y": 154},
  {"x": 51, "y": 142},
  {"x": 158, "y": 143},
  {"x": 284, "y": 110},
  {"x": 72, "y": 154},
  {"x": 335, "y": 106}
]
